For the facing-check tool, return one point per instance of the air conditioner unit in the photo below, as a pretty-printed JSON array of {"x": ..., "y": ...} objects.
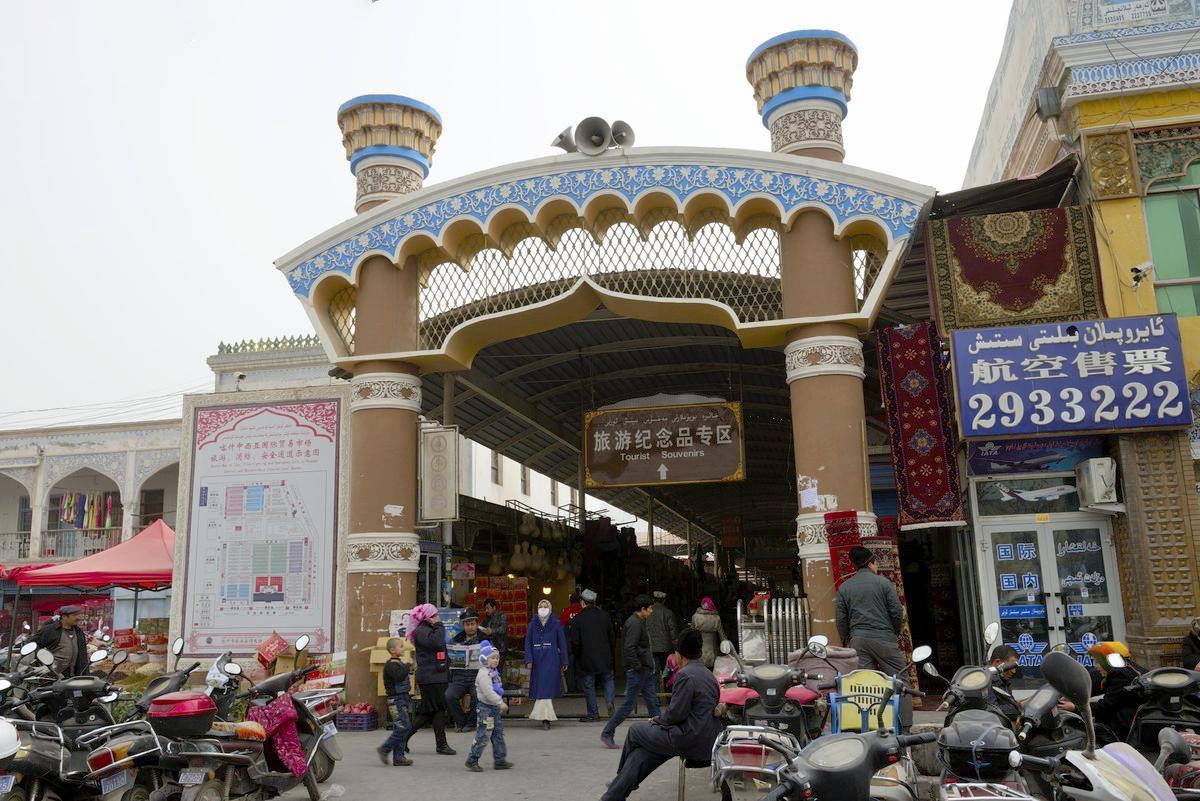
[{"x": 1096, "y": 480}]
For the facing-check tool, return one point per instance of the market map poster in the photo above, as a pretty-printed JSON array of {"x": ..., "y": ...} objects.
[{"x": 262, "y": 528}]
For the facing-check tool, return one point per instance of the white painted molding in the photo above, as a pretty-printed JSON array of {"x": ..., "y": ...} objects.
[{"x": 824, "y": 355}]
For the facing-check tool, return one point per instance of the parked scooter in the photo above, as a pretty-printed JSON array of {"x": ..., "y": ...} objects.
[
  {"x": 1170, "y": 702},
  {"x": 1116, "y": 772},
  {"x": 837, "y": 767},
  {"x": 773, "y": 696}
]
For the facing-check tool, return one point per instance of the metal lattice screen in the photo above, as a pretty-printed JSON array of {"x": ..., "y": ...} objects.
[
  {"x": 868, "y": 261},
  {"x": 342, "y": 308},
  {"x": 667, "y": 263}
]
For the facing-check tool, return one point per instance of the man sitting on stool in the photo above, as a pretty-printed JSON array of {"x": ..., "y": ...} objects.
[{"x": 687, "y": 728}]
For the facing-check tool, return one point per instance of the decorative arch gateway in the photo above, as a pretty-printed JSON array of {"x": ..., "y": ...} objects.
[{"x": 790, "y": 249}]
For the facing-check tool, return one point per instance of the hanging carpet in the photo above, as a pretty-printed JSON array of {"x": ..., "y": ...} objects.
[
  {"x": 842, "y": 534},
  {"x": 1017, "y": 267},
  {"x": 920, "y": 417}
]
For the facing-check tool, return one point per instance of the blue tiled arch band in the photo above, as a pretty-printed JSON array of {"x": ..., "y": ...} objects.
[{"x": 804, "y": 93}]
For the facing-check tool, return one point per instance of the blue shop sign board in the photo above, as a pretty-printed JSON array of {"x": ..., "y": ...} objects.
[{"x": 1120, "y": 374}]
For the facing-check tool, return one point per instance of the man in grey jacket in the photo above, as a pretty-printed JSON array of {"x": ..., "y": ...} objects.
[
  {"x": 869, "y": 618},
  {"x": 639, "y": 669},
  {"x": 663, "y": 630}
]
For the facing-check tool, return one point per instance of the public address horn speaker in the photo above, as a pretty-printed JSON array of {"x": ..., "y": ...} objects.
[
  {"x": 622, "y": 134},
  {"x": 564, "y": 141},
  {"x": 593, "y": 136}
]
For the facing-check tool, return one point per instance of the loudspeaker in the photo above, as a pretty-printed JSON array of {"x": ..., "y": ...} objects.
[
  {"x": 565, "y": 141},
  {"x": 593, "y": 136},
  {"x": 622, "y": 134}
]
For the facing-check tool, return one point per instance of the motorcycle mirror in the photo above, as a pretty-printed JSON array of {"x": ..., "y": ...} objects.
[
  {"x": 930, "y": 670},
  {"x": 726, "y": 647},
  {"x": 99, "y": 655},
  {"x": 120, "y": 658},
  {"x": 302, "y": 643},
  {"x": 1171, "y": 743},
  {"x": 1114, "y": 661},
  {"x": 108, "y": 699},
  {"x": 25, "y": 625},
  {"x": 45, "y": 657},
  {"x": 991, "y": 633},
  {"x": 28, "y": 648},
  {"x": 921, "y": 653},
  {"x": 177, "y": 646},
  {"x": 1061, "y": 648},
  {"x": 233, "y": 669},
  {"x": 819, "y": 638},
  {"x": 1073, "y": 682},
  {"x": 5, "y": 685}
]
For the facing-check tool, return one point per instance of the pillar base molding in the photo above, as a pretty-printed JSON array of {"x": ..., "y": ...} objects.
[
  {"x": 810, "y": 533},
  {"x": 386, "y": 391},
  {"x": 824, "y": 355},
  {"x": 383, "y": 552}
]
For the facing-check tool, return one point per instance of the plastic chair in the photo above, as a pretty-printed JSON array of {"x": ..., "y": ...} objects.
[{"x": 856, "y": 702}]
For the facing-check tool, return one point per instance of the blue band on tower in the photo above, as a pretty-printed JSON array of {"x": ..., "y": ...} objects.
[
  {"x": 810, "y": 33},
  {"x": 401, "y": 100},
  {"x": 391, "y": 151},
  {"x": 804, "y": 93}
]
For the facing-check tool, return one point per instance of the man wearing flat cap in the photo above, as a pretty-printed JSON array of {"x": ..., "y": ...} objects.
[
  {"x": 593, "y": 641},
  {"x": 62, "y": 637},
  {"x": 686, "y": 728},
  {"x": 869, "y": 617}
]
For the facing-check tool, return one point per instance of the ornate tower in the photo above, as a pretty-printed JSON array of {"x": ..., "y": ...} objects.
[{"x": 389, "y": 143}]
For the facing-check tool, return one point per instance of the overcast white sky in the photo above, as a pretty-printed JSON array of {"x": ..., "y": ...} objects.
[{"x": 156, "y": 157}]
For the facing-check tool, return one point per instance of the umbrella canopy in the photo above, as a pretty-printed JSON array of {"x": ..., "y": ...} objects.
[{"x": 144, "y": 562}]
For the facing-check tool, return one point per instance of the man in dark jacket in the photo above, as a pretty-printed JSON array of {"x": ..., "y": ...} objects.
[
  {"x": 869, "y": 617},
  {"x": 639, "y": 668},
  {"x": 462, "y": 681},
  {"x": 495, "y": 626},
  {"x": 593, "y": 642},
  {"x": 688, "y": 727},
  {"x": 1190, "y": 652},
  {"x": 63, "y": 638}
]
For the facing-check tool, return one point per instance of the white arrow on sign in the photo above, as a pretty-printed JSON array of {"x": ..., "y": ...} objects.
[{"x": 662, "y": 472}]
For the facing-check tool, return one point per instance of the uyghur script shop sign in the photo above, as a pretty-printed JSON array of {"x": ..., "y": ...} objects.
[
  {"x": 664, "y": 445},
  {"x": 1103, "y": 375}
]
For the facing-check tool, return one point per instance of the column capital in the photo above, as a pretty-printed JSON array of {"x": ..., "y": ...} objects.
[
  {"x": 810, "y": 533},
  {"x": 385, "y": 391},
  {"x": 824, "y": 355},
  {"x": 389, "y": 141},
  {"x": 383, "y": 552}
]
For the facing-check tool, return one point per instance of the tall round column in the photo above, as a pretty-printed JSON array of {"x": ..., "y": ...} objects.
[
  {"x": 389, "y": 140},
  {"x": 802, "y": 83}
]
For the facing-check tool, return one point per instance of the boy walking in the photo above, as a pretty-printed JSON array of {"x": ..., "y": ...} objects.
[
  {"x": 395, "y": 684},
  {"x": 490, "y": 694}
]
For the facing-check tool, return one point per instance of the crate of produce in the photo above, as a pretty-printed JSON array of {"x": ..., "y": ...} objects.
[{"x": 357, "y": 721}]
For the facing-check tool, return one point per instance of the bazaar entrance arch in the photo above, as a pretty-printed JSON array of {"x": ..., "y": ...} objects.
[{"x": 770, "y": 265}]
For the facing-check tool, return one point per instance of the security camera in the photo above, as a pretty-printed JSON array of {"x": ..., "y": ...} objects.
[{"x": 1140, "y": 272}]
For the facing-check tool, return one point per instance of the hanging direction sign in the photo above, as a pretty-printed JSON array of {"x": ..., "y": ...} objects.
[
  {"x": 652, "y": 445},
  {"x": 1098, "y": 375}
]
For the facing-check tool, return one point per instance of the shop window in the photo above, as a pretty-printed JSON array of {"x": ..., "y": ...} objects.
[
  {"x": 1173, "y": 222},
  {"x": 150, "y": 503},
  {"x": 1027, "y": 496},
  {"x": 524, "y": 480},
  {"x": 497, "y": 470}
]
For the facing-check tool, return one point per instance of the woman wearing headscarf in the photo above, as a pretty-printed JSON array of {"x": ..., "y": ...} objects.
[
  {"x": 1191, "y": 646},
  {"x": 546, "y": 658},
  {"x": 428, "y": 636},
  {"x": 708, "y": 623}
]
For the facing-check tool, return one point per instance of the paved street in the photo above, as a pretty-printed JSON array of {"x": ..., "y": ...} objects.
[{"x": 566, "y": 762}]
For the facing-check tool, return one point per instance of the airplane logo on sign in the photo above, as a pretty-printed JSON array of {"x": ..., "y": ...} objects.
[{"x": 1028, "y": 649}]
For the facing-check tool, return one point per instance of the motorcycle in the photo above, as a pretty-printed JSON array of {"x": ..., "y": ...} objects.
[
  {"x": 1116, "y": 772},
  {"x": 774, "y": 696},
  {"x": 836, "y": 767},
  {"x": 1171, "y": 702}
]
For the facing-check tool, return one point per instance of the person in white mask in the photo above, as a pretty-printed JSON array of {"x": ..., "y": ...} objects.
[{"x": 546, "y": 658}]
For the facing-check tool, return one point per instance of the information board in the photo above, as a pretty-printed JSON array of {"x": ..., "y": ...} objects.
[
  {"x": 664, "y": 445},
  {"x": 262, "y": 525},
  {"x": 1101, "y": 375}
]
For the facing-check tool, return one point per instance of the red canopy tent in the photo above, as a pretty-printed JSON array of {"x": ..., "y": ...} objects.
[{"x": 143, "y": 562}]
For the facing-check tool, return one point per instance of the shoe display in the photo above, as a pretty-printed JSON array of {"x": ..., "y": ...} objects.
[
  {"x": 474, "y": 767},
  {"x": 402, "y": 762},
  {"x": 503, "y": 765}
]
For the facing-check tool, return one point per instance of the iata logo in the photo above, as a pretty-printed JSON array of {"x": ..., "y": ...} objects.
[
  {"x": 1029, "y": 651},
  {"x": 1082, "y": 647}
]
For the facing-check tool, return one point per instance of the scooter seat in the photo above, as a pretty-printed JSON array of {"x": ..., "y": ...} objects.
[{"x": 740, "y": 696}]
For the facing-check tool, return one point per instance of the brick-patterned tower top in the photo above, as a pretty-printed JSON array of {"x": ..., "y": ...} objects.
[
  {"x": 389, "y": 143},
  {"x": 802, "y": 84}
]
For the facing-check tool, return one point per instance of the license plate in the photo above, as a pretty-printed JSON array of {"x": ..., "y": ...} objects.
[
  {"x": 114, "y": 782},
  {"x": 190, "y": 777},
  {"x": 6, "y": 783},
  {"x": 330, "y": 730}
]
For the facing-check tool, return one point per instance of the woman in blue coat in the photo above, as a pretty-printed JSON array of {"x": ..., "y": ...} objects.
[{"x": 546, "y": 658}]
